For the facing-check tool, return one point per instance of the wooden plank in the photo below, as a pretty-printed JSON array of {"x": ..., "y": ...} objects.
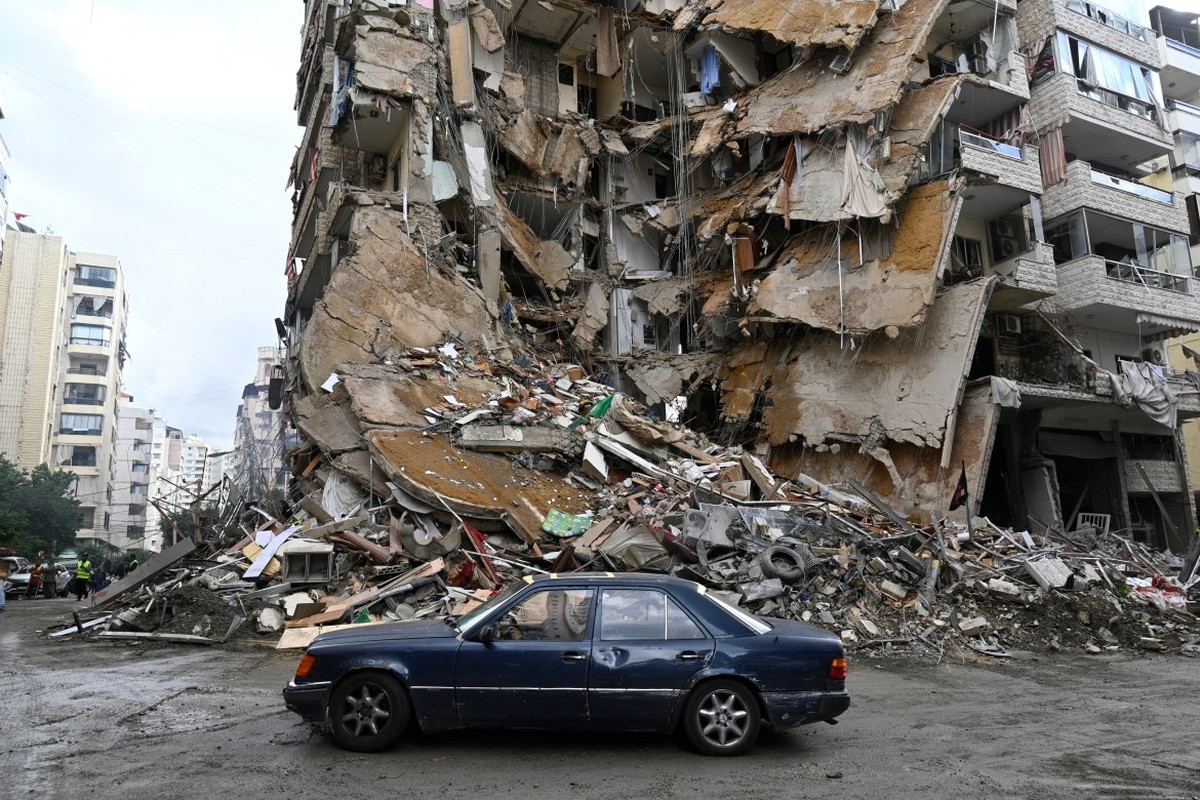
[
  {"x": 694, "y": 452},
  {"x": 758, "y": 473},
  {"x": 185, "y": 638},
  {"x": 303, "y": 637}
]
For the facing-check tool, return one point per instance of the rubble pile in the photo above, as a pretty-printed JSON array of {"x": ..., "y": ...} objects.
[{"x": 438, "y": 476}]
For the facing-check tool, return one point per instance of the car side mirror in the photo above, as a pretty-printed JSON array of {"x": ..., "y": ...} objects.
[{"x": 487, "y": 634}]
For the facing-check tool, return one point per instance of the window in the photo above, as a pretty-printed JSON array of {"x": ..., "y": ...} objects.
[
  {"x": 104, "y": 277},
  {"x": 83, "y": 456},
  {"x": 966, "y": 258},
  {"x": 1110, "y": 78},
  {"x": 140, "y": 468},
  {"x": 98, "y": 335},
  {"x": 88, "y": 394},
  {"x": 135, "y": 531},
  {"x": 107, "y": 521},
  {"x": 85, "y": 517},
  {"x": 87, "y": 424},
  {"x": 555, "y": 615},
  {"x": 137, "y": 511},
  {"x": 138, "y": 488},
  {"x": 643, "y": 614}
]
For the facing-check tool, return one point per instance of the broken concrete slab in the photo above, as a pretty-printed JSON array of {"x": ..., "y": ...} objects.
[{"x": 1050, "y": 573}]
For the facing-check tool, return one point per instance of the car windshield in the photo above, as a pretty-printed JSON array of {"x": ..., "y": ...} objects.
[
  {"x": 742, "y": 615},
  {"x": 469, "y": 620}
]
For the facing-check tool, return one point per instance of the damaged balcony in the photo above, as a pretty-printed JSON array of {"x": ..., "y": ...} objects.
[
  {"x": 1087, "y": 186},
  {"x": 979, "y": 39},
  {"x": 1127, "y": 33},
  {"x": 1116, "y": 274}
]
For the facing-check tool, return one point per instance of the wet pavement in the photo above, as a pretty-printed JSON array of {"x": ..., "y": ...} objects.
[{"x": 114, "y": 719}]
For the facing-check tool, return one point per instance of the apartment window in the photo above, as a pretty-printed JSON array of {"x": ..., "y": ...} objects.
[
  {"x": 1105, "y": 15},
  {"x": 966, "y": 258},
  {"x": 107, "y": 521},
  {"x": 140, "y": 468},
  {"x": 135, "y": 531},
  {"x": 86, "y": 424},
  {"x": 83, "y": 456},
  {"x": 103, "y": 277},
  {"x": 138, "y": 488},
  {"x": 85, "y": 517},
  {"x": 88, "y": 394},
  {"x": 136, "y": 510},
  {"x": 98, "y": 335},
  {"x": 1112, "y": 79},
  {"x": 88, "y": 306}
]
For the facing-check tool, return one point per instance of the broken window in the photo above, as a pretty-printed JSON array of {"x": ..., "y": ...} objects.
[
  {"x": 966, "y": 258},
  {"x": 1112, "y": 79},
  {"x": 83, "y": 456}
]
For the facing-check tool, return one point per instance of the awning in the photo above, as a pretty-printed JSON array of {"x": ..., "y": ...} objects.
[{"x": 1174, "y": 326}]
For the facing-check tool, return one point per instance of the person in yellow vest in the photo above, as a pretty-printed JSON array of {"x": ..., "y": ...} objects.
[{"x": 83, "y": 574}]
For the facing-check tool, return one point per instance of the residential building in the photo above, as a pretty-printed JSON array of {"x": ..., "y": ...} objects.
[
  {"x": 134, "y": 522},
  {"x": 93, "y": 322},
  {"x": 892, "y": 240},
  {"x": 258, "y": 440},
  {"x": 4, "y": 161},
  {"x": 34, "y": 274}
]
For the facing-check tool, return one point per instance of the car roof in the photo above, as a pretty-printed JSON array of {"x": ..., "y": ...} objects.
[{"x": 601, "y": 578}]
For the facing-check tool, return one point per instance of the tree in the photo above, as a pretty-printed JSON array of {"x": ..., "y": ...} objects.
[{"x": 35, "y": 512}]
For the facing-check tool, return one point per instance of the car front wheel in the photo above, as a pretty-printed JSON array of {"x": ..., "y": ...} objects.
[
  {"x": 368, "y": 711},
  {"x": 722, "y": 718}
]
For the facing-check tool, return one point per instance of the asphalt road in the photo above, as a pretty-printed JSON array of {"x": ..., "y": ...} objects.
[{"x": 115, "y": 720}]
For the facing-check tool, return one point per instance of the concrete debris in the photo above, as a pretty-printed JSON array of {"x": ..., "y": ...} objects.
[{"x": 578, "y": 477}]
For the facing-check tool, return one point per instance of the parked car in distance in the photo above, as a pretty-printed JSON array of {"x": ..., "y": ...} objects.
[
  {"x": 579, "y": 651},
  {"x": 20, "y": 580},
  {"x": 13, "y": 566}
]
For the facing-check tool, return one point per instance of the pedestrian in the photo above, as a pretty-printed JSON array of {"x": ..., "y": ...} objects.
[
  {"x": 50, "y": 580},
  {"x": 3, "y": 582},
  {"x": 83, "y": 574},
  {"x": 35, "y": 581}
]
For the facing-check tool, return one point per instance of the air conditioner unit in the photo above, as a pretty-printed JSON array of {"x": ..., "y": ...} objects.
[
  {"x": 1008, "y": 324},
  {"x": 1003, "y": 227},
  {"x": 840, "y": 64},
  {"x": 1009, "y": 247},
  {"x": 1156, "y": 354}
]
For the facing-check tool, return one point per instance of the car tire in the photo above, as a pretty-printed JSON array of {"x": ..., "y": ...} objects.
[
  {"x": 368, "y": 711},
  {"x": 783, "y": 563},
  {"x": 722, "y": 718}
]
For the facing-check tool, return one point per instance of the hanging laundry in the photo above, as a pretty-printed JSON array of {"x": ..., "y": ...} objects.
[
  {"x": 710, "y": 69},
  {"x": 608, "y": 60}
]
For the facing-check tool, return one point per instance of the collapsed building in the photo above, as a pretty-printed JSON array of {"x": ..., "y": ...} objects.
[{"x": 899, "y": 241}]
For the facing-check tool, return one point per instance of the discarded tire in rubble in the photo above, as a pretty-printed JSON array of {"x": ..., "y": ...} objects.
[{"x": 783, "y": 563}]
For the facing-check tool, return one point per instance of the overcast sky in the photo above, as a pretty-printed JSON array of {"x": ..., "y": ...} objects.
[{"x": 162, "y": 133}]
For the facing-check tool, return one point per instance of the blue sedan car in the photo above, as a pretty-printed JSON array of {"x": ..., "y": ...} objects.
[{"x": 584, "y": 651}]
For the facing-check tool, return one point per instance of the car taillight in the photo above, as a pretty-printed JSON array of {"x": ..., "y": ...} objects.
[
  {"x": 306, "y": 664},
  {"x": 837, "y": 669}
]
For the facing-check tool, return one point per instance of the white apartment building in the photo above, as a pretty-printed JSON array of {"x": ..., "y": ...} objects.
[{"x": 258, "y": 439}]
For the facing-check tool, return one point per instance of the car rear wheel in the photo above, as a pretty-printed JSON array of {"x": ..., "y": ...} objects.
[
  {"x": 368, "y": 711},
  {"x": 722, "y": 718}
]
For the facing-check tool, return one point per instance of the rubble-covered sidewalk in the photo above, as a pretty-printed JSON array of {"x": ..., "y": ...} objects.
[{"x": 438, "y": 476}]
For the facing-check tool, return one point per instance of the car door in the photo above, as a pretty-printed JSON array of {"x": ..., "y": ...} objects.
[
  {"x": 645, "y": 650},
  {"x": 534, "y": 674}
]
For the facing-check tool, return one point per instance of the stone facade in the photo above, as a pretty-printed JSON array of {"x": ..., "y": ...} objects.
[{"x": 1081, "y": 191}]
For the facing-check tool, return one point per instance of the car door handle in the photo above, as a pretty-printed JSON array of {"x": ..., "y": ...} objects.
[
  {"x": 572, "y": 656},
  {"x": 688, "y": 655}
]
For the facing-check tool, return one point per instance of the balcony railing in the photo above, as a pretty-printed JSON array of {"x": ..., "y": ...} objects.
[
  {"x": 84, "y": 401},
  {"x": 1151, "y": 278},
  {"x": 1183, "y": 47},
  {"x": 1114, "y": 21},
  {"x": 93, "y": 373},
  {"x": 88, "y": 340},
  {"x": 97, "y": 282},
  {"x": 86, "y": 312},
  {"x": 1133, "y": 187},
  {"x": 80, "y": 432},
  {"x": 1136, "y": 106},
  {"x": 970, "y": 136}
]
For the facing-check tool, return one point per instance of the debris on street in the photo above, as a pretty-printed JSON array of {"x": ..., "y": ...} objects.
[{"x": 479, "y": 469}]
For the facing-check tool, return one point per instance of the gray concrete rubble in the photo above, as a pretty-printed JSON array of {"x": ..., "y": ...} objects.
[{"x": 492, "y": 469}]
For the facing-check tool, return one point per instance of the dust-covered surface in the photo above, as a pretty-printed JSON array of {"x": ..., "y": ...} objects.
[{"x": 153, "y": 721}]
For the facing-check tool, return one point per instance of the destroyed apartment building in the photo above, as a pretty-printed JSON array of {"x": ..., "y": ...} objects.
[{"x": 893, "y": 241}]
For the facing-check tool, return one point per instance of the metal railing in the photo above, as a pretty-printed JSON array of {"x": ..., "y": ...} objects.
[
  {"x": 1133, "y": 187},
  {"x": 1152, "y": 278},
  {"x": 976, "y": 138}
]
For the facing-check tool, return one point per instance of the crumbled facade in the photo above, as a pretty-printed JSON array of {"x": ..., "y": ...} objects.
[{"x": 891, "y": 240}]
